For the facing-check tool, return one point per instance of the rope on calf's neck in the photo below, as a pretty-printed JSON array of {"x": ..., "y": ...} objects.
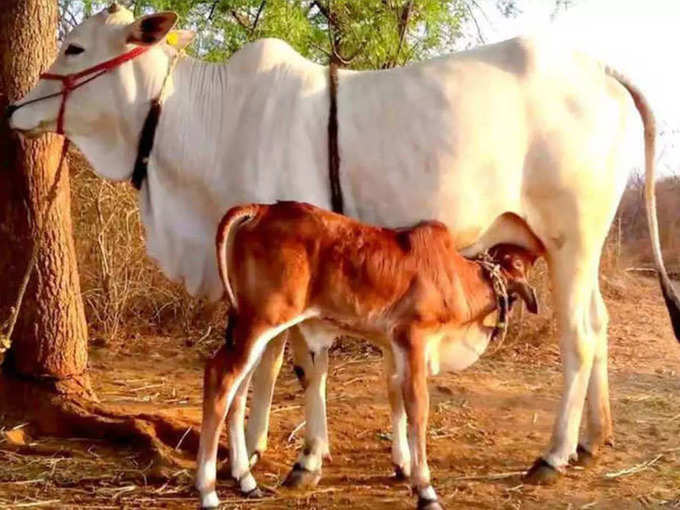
[{"x": 500, "y": 290}]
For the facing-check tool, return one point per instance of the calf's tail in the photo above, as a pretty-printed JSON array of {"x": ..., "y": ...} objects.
[
  {"x": 226, "y": 231},
  {"x": 649, "y": 124}
]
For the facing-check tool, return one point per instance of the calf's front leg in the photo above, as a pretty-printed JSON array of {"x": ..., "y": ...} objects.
[
  {"x": 401, "y": 456},
  {"x": 310, "y": 343}
]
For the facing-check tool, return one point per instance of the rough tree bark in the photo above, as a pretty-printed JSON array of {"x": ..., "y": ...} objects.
[
  {"x": 50, "y": 338},
  {"x": 47, "y": 363}
]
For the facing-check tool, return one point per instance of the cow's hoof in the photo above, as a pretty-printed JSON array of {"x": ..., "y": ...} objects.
[
  {"x": 583, "y": 457},
  {"x": 254, "y": 458},
  {"x": 541, "y": 473},
  {"x": 301, "y": 478},
  {"x": 429, "y": 504},
  {"x": 400, "y": 474}
]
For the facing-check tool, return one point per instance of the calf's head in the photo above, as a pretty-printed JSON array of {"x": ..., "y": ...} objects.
[{"x": 515, "y": 263}]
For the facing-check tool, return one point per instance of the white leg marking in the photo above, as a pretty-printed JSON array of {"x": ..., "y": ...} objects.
[
  {"x": 238, "y": 455},
  {"x": 210, "y": 500},
  {"x": 313, "y": 337},
  {"x": 401, "y": 456},
  {"x": 428, "y": 493},
  {"x": 263, "y": 382},
  {"x": 206, "y": 472}
]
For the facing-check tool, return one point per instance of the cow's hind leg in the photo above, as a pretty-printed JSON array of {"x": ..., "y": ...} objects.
[
  {"x": 573, "y": 269},
  {"x": 310, "y": 344},
  {"x": 263, "y": 380},
  {"x": 224, "y": 374},
  {"x": 599, "y": 430}
]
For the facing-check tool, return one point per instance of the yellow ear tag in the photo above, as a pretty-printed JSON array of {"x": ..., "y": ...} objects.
[{"x": 172, "y": 39}]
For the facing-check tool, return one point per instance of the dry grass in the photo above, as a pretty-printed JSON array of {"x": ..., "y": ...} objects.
[{"x": 124, "y": 291}]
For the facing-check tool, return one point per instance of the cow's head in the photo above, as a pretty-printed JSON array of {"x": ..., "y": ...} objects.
[
  {"x": 110, "y": 110},
  {"x": 515, "y": 263}
]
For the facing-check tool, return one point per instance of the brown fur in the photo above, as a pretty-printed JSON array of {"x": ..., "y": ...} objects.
[
  {"x": 279, "y": 261},
  {"x": 290, "y": 257}
]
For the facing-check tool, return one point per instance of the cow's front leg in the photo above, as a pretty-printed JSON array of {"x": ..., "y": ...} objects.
[
  {"x": 264, "y": 379},
  {"x": 401, "y": 457},
  {"x": 412, "y": 368},
  {"x": 311, "y": 367}
]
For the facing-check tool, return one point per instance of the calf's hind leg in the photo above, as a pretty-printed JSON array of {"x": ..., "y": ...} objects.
[
  {"x": 263, "y": 380},
  {"x": 224, "y": 374}
]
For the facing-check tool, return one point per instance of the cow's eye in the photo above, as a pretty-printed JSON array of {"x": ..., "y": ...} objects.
[{"x": 74, "y": 50}]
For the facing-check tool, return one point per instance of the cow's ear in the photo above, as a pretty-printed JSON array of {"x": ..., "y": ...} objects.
[
  {"x": 151, "y": 29},
  {"x": 180, "y": 39}
]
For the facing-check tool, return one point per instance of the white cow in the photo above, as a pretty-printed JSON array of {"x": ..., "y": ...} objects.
[{"x": 520, "y": 128}]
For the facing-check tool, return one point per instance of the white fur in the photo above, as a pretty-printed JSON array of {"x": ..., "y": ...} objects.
[{"x": 210, "y": 500}]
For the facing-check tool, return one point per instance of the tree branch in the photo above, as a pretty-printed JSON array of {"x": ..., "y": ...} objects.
[
  {"x": 257, "y": 17},
  {"x": 402, "y": 27},
  {"x": 239, "y": 19}
]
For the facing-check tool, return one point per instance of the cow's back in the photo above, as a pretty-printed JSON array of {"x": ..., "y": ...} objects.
[{"x": 469, "y": 137}]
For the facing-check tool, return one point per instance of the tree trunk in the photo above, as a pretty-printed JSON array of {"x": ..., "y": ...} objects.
[
  {"x": 50, "y": 338},
  {"x": 47, "y": 361}
]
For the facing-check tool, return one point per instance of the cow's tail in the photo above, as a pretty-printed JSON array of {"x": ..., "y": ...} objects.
[
  {"x": 649, "y": 124},
  {"x": 226, "y": 231}
]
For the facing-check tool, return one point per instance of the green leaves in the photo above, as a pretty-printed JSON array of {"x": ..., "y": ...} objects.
[{"x": 365, "y": 34}]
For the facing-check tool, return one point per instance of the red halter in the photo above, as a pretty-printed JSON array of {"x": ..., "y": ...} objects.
[{"x": 70, "y": 81}]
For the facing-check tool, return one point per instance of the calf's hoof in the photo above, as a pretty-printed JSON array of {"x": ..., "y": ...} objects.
[
  {"x": 584, "y": 458},
  {"x": 429, "y": 504},
  {"x": 301, "y": 478},
  {"x": 400, "y": 474},
  {"x": 210, "y": 500},
  {"x": 541, "y": 473}
]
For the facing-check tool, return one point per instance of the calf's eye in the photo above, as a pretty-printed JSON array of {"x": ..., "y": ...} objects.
[{"x": 74, "y": 50}]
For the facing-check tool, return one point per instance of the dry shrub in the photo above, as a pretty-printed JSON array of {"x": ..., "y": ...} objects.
[{"x": 123, "y": 290}]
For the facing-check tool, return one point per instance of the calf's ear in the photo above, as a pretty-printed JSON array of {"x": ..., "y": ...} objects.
[
  {"x": 151, "y": 29},
  {"x": 520, "y": 287}
]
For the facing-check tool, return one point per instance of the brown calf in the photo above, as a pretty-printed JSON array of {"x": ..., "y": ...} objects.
[{"x": 407, "y": 290}]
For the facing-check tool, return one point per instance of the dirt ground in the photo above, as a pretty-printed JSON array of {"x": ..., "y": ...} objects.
[{"x": 487, "y": 425}]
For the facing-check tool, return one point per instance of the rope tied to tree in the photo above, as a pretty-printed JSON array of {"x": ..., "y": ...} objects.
[
  {"x": 139, "y": 171},
  {"x": 7, "y": 327}
]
